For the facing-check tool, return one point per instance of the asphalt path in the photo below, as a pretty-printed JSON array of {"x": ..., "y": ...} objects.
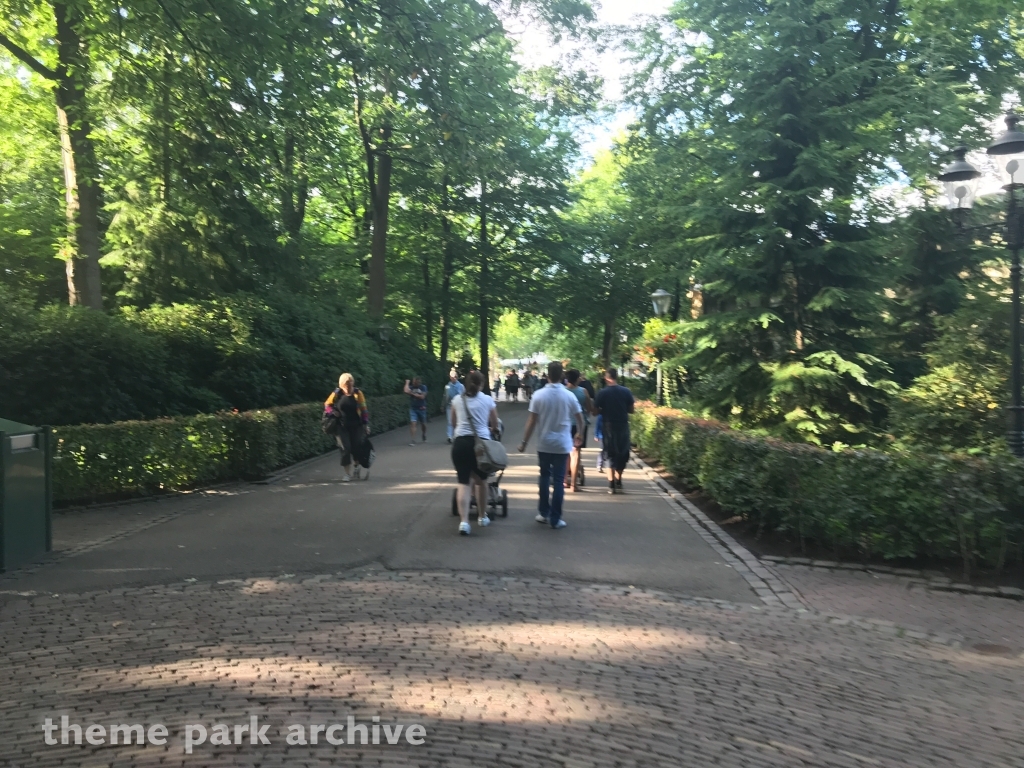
[{"x": 308, "y": 521}]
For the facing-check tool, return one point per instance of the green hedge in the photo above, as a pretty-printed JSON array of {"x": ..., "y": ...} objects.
[
  {"x": 865, "y": 503},
  {"x": 94, "y": 462},
  {"x": 70, "y": 365}
]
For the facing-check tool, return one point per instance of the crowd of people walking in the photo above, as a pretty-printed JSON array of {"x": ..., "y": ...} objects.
[{"x": 561, "y": 405}]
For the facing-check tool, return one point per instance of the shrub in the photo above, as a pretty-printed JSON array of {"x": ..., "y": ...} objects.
[
  {"x": 69, "y": 365},
  {"x": 136, "y": 458},
  {"x": 870, "y": 503},
  {"x": 957, "y": 404},
  {"x": 642, "y": 389}
]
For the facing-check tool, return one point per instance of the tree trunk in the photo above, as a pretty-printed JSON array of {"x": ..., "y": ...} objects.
[
  {"x": 296, "y": 189},
  {"x": 165, "y": 135},
  {"x": 484, "y": 278},
  {"x": 428, "y": 305},
  {"x": 606, "y": 342},
  {"x": 446, "y": 273},
  {"x": 81, "y": 171},
  {"x": 378, "y": 246},
  {"x": 67, "y": 161}
]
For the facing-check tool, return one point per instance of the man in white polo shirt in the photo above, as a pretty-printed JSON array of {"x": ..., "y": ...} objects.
[{"x": 552, "y": 412}]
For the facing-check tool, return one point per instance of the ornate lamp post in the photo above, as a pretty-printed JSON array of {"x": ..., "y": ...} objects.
[
  {"x": 960, "y": 179},
  {"x": 662, "y": 301}
]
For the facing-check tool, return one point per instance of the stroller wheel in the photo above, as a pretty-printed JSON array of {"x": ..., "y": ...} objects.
[
  {"x": 455, "y": 502},
  {"x": 504, "y": 503}
]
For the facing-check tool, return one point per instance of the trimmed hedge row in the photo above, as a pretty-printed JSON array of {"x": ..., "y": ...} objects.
[
  {"x": 93, "y": 462},
  {"x": 865, "y": 503}
]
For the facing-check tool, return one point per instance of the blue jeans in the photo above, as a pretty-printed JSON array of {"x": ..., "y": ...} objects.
[{"x": 552, "y": 470}]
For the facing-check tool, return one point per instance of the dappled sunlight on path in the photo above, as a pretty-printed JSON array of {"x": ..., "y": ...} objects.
[{"x": 497, "y": 669}]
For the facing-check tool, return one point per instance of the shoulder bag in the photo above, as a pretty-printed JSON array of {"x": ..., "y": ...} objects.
[
  {"x": 491, "y": 455},
  {"x": 330, "y": 421}
]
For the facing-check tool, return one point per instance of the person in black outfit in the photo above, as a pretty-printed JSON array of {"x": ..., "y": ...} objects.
[
  {"x": 512, "y": 385},
  {"x": 615, "y": 403},
  {"x": 348, "y": 405},
  {"x": 585, "y": 383}
]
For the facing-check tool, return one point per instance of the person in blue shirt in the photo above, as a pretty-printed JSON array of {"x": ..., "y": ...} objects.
[
  {"x": 417, "y": 392},
  {"x": 452, "y": 389}
]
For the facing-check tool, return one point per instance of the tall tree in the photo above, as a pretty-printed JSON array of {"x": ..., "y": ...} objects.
[
  {"x": 71, "y": 75},
  {"x": 765, "y": 138}
]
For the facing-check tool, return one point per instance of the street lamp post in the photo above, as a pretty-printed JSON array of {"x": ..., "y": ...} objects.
[
  {"x": 960, "y": 179},
  {"x": 662, "y": 301}
]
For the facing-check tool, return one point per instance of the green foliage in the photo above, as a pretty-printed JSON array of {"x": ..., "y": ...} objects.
[
  {"x": 781, "y": 153},
  {"x": 137, "y": 458},
  {"x": 957, "y": 404},
  {"x": 31, "y": 220},
  {"x": 519, "y": 336},
  {"x": 64, "y": 365},
  {"x": 642, "y": 389},
  {"x": 866, "y": 503},
  {"x": 598, "y": 288},
  {"x": 239, "y": 154}
]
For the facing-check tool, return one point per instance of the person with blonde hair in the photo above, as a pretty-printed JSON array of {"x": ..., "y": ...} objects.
[{"x": 345, "y": 409}]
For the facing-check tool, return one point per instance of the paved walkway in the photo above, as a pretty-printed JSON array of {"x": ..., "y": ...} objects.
[
  {"x": 310, "y": 522},
  {"x": 499, "y": 671},
  {"x": 626, "y": 639},
  {"x": 974, "y": 619}
]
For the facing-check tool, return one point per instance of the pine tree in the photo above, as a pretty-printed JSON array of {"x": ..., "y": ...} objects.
[{"x": 765, "y": 140}]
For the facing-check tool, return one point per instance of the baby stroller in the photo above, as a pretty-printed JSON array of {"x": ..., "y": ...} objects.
[{"x": 496, "y": 495}]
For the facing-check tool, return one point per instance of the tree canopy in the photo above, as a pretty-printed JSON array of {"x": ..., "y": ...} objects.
[
  {"x": 254, "y": 178},
  {"x": 783, "y": 162}
]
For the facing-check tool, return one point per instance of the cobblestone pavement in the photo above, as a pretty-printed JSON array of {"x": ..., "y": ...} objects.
[
  {"x": 978, "y": 620},
  {"x": 501, "y": 671}
]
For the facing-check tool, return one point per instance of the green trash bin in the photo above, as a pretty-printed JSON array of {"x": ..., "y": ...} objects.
[{"x": 25, "y": 533}]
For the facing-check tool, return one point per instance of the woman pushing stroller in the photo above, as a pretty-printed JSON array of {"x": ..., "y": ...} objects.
[{"x": 473, "y": 415}]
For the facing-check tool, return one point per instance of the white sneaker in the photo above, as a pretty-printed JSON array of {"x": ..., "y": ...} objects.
[
  {"x": 355, "y": 473},
  {"x": 559, "y": 524},
  {"x": 540, "y": 519},
  {"x": 413, "y": 443},
  {"x": 464, "y": 529},
  {"x": 346, "y": 478},
  {"x": 484, "y": 521}
]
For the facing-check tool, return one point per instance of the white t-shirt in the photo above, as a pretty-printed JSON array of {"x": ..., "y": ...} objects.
[
  {"x": 480, "y": 407},
  {"x": 556, "y": 409}
]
